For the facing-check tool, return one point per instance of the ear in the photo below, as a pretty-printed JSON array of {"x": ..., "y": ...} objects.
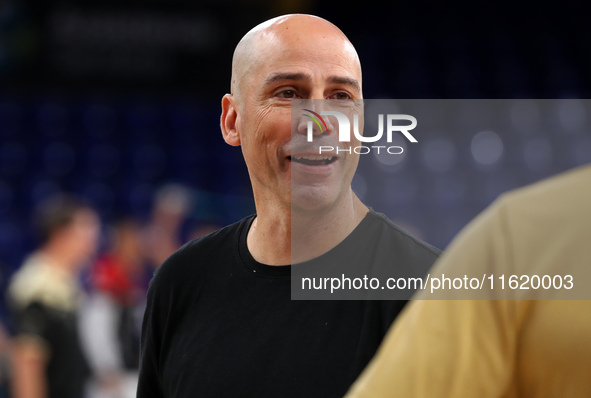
[{"x": 228, "y": 120}]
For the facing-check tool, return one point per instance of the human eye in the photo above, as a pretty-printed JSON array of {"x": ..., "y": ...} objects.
[
  {"x": 287, "y": 94},
  {"x": 341, "y": 95}
]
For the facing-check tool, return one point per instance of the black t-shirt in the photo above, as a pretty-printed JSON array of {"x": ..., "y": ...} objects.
[
  {"x": 220, "y": 324},
  {"x": 67, "y": 369}
]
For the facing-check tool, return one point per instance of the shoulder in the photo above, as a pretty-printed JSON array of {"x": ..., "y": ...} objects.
[
  {"x": 539, "y": 225},
  {"x": 198, "y": 256},
  {"x": 38, "y": 281},
  {"x": 551, "y": 210},
  {"x": 402, "y": 237},
  {"x": 566, "y": 192}
]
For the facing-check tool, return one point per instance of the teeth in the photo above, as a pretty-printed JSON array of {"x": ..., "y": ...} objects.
[{"x": 313, "y": 157}]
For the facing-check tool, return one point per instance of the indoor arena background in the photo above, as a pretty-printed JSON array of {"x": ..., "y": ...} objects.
[{"x": 119, "y": 102}]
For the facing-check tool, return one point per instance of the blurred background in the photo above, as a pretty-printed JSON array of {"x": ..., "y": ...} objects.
[{"x": 118, "y": 102}]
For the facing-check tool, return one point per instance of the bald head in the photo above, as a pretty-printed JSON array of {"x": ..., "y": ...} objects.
[{"x": 284, "y": 32}]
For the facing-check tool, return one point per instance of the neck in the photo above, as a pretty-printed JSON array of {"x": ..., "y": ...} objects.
[
  {"x": 280, "y": 236},
  {"x": 60, "y": 257}
]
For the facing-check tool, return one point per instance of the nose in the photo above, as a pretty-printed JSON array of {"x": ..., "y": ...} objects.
[{"x": 309, "y": 120}]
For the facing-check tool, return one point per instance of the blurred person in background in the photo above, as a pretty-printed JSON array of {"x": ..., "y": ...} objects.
[
  {"x": 5, "y": 346},
  {"x": 112, "y": 320},
  {"x": 162, "y": 235},
  {"x": 44, "y": 297},
  {"x": 5, "y": 373}
]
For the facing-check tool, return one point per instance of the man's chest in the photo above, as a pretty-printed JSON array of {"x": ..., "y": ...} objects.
[{"x": 270, "y": 348}]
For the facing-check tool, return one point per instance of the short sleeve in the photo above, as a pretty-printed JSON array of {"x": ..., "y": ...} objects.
[{"x": 33, "y": 322}]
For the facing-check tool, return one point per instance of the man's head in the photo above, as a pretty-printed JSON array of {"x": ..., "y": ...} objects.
[
  {"x": 272, "y": 40},
  {"x": 70, "y": 223},
  {"x": 289, "y": 57}
]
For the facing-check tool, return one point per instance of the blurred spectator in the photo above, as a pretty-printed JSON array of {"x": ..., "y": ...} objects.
[
  {"x": 44, "y": 296},
  {"x": 120, "y": 272},
  {"x": 4, "y": 363},
  {"x": 113, "y": 315},
  {"x": 5, "y": 373},
  {"x": 163, "y": 234}
]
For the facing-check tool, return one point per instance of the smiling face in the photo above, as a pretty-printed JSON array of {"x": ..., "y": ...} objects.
[{"x": 293, "y": 57}]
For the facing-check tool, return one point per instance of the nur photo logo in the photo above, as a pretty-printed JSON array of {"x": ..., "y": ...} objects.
[{"x": 344, "y": 131}]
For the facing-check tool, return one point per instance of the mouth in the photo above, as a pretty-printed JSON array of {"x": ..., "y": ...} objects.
[{"x": 319, "y": 160}]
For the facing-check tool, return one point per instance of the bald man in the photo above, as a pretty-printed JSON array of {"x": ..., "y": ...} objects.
[{"x": 220, "y": 321}]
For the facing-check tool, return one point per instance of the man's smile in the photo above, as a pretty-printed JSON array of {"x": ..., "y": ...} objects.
[{"x": 313, "y": 160}]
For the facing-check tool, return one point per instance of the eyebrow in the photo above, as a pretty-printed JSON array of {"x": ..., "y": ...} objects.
[
  {"x": 286, "y": 76},
  {"x": 345, "y": 81},
  {"x": 304, "y": 77}
]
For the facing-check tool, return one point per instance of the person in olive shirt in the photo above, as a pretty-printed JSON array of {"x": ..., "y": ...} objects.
[{"x": 527, "y": 340}]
